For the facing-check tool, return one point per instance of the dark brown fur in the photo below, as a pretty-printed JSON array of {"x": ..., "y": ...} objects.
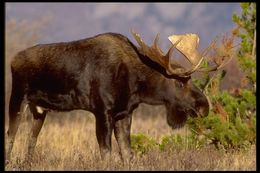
[{"x": 106, "y": 75}]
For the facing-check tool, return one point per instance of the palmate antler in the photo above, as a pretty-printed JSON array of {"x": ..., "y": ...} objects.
[
  {"x": 156, "y": 54},
  {"x": 187, "y": 45}
]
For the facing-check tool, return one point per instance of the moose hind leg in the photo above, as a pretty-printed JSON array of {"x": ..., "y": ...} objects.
[
  {"x": 37, "y": 122},
  {"x": 14, "y": 117}
]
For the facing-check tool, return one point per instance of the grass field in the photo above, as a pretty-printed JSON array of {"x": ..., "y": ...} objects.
[{"x": 68, "y": 142}]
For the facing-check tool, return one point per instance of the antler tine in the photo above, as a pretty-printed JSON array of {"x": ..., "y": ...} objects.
[
  {"x": 161, "y": 58},
  {"x": 178, "y": 67},
  {"x": 155, "y": 44},
  {"x": 168, "y": 54},
  {"x": 216, "y": 67},
  {"x": 195, "y": 68},
  {"x": 207, "y": 49},
  {"x": 137, "y": 38},
  {"x": 156, "y": 40},
  {"x": 155, "y": 53}
]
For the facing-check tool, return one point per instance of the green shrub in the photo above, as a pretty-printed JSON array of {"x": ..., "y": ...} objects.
[
  {"x": 238, "y": 105},
  {"x": 177, "y": 142},
  {"x": 141, "y": 143},
  {"x": 237, "y": 131}
]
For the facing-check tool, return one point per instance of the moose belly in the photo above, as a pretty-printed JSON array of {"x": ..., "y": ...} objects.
[{"x": 57, "y": 101}]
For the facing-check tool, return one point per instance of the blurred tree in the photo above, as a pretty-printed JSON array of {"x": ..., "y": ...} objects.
[
  {"x": 232, "y": 119},
  {"x": 247, "y": 33},
  {"x": 19, "y": 34}
]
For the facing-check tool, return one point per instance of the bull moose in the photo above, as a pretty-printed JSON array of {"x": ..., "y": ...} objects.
[{"x": 109, "y": 76}]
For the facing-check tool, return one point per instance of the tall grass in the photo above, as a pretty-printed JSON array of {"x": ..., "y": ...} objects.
[{"x": 68, "y": 142}]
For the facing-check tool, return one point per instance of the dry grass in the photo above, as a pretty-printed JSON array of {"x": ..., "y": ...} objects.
[{"x": 68, "y": 142}]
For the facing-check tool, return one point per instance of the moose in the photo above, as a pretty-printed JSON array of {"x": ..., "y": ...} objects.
[{"x": 109, "y": 76}]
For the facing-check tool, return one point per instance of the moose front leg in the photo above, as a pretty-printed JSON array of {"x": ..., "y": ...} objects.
[
  {"x": 122, "y": 130},
  {"x": 104, "y": 129}
]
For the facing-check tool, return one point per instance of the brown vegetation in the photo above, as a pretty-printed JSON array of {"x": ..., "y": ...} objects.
[{"x": 68, "y": 142}]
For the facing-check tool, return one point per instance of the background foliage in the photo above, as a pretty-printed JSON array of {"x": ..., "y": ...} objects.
[{"x": 231, "y": 122}]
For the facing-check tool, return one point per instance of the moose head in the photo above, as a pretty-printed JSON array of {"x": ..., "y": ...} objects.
[{"x": 187, "y": 99}]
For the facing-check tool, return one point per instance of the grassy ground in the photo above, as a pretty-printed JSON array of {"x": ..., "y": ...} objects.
[{"x": 68, "y": 142}]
